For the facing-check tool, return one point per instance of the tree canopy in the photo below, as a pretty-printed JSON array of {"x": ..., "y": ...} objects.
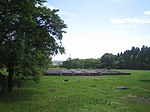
[
  {"x": 135, "y": 58},
  {"x": 81, "y": 63},
  {"x": 30, "y": 34},
  {"x": 107, "y": 60}
]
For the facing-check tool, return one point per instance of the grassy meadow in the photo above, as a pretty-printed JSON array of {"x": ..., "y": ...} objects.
[{"x": 82, "y": 94}]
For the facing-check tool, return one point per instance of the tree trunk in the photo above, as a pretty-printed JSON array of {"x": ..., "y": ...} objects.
[
  {"x": 7, "y": 82},
  {"x": 3, "y": 84},
  {"x": 10, "y": 79}
]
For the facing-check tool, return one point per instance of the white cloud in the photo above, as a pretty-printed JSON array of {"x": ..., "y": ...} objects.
[
  {"x": 131, "y": 21},
  {"x": 95, "y": 44},
  {"x": 135, "y": 20},
  {"x": 146, "y": 13},
  {"x": 71, "y": 16}
]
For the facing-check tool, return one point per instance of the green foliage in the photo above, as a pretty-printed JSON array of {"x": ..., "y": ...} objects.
[
  {"x": 4, "y": 71},
  {"x": 81, "y": 63},
  {"x": 135, "y": 58},
  {"x": 107, "y": 60},
  {"x": 82, "y": 94},
  {"x": 30, "y": 34}
]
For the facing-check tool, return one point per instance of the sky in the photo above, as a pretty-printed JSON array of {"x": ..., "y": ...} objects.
[{"x": 96, "y": 27}]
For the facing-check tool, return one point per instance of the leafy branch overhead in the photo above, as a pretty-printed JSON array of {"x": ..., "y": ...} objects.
[{"x": 30, "y": 34}]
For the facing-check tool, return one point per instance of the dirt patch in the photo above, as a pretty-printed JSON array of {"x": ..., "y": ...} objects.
[{"x": 122, "y": 87}]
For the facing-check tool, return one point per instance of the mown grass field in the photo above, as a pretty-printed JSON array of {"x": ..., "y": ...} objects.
[{"x": 82, "y": 94}]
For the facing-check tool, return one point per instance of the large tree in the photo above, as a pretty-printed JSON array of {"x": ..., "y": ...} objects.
[
  {"x": 107, "y": 60},
  {"x": 30, "y": 34}
]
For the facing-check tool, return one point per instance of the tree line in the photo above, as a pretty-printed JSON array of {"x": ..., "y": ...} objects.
[{"x": 136, "y": 58}]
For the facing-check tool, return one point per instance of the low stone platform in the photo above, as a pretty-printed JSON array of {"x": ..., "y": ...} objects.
[{"x": 84, "y": 72}]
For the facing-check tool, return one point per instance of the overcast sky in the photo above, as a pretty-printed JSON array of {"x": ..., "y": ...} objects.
[{"x": 96, "y": 27}]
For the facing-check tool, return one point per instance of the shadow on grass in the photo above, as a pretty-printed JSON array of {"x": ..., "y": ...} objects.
[
  {"x": 145, "y": 80},
  {"x": 19, "y": 95}
]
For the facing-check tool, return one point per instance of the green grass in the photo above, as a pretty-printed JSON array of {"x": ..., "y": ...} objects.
[{"x": 82, "y": 94}]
